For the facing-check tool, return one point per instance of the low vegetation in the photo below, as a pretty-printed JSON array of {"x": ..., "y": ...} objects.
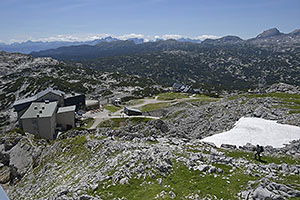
[
  {"x": 87, "y": 123},
  {"x": 112, "y": 108},
  {"x": 119, "y": 122},
  {"x": 265, "y": 158},
  {"x": 180, "y": 183},
  {"x": 172, "y": 96},
  {"x": 154, "y": 106}
]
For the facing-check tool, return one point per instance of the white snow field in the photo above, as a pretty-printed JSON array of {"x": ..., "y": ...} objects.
[{"x": 256, "y": 131}]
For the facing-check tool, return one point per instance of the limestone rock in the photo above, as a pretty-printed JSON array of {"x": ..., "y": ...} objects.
[
  {"x": 4, "y": 175},
  {"x": 261, "y": 193}
]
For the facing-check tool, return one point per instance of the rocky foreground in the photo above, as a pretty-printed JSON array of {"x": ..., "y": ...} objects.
[{"x": 84, "y": 164}]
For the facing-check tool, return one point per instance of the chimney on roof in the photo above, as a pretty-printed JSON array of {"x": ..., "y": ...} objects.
[
  {"x": 37, "y": 115},
  {"x": 35, "y": 107},
  {"x": 47, "y": 101},
  {"x": 73, "y": 93},
  {"x": 41, "y": 112},
  {"x": 43, "y": 108}
]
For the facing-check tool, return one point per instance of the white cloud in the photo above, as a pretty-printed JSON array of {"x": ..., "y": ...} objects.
[
  {"x": 73, "y": 37},
  {"x": 94, "y": 36},
  {"x": 132, "y": 35},
  {"x": 168, "y": 36},
  {"x": 203, "y": 37}
]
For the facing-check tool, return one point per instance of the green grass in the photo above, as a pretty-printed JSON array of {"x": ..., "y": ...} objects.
[
  {"x": 205, "y": 98},
  {"x": 154, "y": 106},
  {"x": 172, "y": 95},
  {"x": 75, "y": 145},
  {"x": 266, "y": 158},
  {"x": 17, "y": 130},
  {"x": 182, "y": 182},
  {"x": 112, "y": 108},
  {"x": 135, "y": 102},
  {"x": 87, "y": 123},
  {"x": 119, "y": 122},
  {"x": 290, "y": 179}
]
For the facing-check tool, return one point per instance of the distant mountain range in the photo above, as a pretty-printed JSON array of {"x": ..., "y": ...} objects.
[
  {"x": 272, "y": 38},
  {"x": 29, "y": 46},
  {"x": 225, "y": 63},
  {"x": 268, "y": 36}
]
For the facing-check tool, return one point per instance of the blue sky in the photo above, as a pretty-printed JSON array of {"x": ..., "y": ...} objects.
[{"x": 82, "y": 19}]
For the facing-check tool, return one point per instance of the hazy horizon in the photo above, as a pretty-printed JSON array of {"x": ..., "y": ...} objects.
[{"x": 81, "y": 20}]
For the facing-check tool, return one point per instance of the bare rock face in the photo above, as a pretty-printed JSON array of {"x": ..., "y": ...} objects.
[
  {"x": 18, "y": 154},
  {"x": 4, "y": 174},
  {"x": 21, "y": 157}
]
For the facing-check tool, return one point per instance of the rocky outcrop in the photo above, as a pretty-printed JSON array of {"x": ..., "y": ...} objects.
[
  {"x": 17, "y": 156},
  {"x": 284, "y": 88}
]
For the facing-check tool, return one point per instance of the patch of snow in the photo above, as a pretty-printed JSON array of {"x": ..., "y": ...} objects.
[{"x": 256, "y": 131}]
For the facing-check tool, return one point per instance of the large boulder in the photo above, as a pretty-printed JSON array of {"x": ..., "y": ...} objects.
[
  {"x": 21, "y": 157},
  {"x": 261, "y": 193}
]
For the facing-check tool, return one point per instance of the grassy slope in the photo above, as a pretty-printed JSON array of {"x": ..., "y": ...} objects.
[
  {"x": 154, "y": 106},
  {"x": 118, "y": 122},
  {"x": 172, "y": 96},
  {"x": 112, "y": 108},
  {"x": 182, "y": 182}
]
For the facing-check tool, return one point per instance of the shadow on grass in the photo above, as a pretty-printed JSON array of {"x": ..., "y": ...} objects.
[{"x": 261, "y": 160}]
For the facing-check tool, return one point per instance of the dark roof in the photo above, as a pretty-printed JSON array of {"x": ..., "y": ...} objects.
[
  {"x": 37, "y": 96},
  {"x": 187, "y": 88},
  {"x": 48, "y": 90},
  {"x": 23, "y": 101},
  {"x": 176, "y": 85},
  {"x": 133, "y": 110},
  {"x": 73, "y": 94}
]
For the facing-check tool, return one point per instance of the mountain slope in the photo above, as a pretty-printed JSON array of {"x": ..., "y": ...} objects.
[
  {"x": 221, "y": 67},
  {"x": 29, "y": 46},
  {"x": 23, "y": 76},
  {"x": 117, "y": 48},
  {"x": 224, "y": 63}
]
